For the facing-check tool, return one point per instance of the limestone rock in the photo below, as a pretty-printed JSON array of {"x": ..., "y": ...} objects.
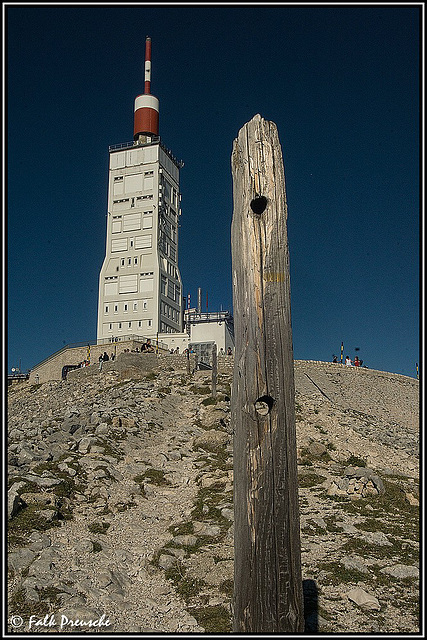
[
  {"x": 21, "y": 559},
  {"x": 401, "y": 571},
  {"x": 14, "y": 502},
  {"x": 167, "y": 561},
  {"x": 364, "y": 599},
  {"x": 187, "y": 540},
  {"x": 211, "y": 440}
]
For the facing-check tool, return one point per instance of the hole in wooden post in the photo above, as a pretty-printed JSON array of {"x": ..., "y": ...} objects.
[
  {"x": 258, "y": 204},
  {"x": 264, "y": 405}
]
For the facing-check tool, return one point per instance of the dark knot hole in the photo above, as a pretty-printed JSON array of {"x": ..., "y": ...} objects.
[
  {"x": 264, "y": 405},
  {"x": 259, "y": 204}
]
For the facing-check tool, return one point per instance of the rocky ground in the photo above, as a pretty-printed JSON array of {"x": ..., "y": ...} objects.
[{"x": 121, "y": 506}]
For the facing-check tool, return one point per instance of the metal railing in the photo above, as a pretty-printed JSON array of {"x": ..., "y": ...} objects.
[
  {"x": 154, "y": 140},
  {"x": 210, "y": 316}
]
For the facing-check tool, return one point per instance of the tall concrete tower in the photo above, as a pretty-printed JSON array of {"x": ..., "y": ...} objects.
[{"x": 140, "y": 288}]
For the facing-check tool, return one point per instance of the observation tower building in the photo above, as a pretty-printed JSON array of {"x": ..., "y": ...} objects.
[{"x": 140, "y": 288}]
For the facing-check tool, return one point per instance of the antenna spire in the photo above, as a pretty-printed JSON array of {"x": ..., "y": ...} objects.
[
  {"x": 147, "y": 78},
  {"x": 146, "y": 110}
]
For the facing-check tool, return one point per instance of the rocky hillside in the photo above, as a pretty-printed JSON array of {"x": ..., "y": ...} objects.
[{"x": 121, "y": 514}]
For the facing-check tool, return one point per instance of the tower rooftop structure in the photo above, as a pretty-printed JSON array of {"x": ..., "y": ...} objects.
[{"x": 140, "y": 287}]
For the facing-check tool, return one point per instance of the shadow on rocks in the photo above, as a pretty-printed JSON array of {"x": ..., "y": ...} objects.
[{"x": 311, "y": 611}]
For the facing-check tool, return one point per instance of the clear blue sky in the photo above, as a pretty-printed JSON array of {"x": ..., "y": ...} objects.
[{"x": 342, "y": 84}]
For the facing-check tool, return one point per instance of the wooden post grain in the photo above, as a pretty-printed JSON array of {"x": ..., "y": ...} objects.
[{"x": 267, "y": 572}]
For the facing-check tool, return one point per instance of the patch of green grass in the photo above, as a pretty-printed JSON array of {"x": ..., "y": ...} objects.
[
  {"x": 227, "y": 587},
  {"x": 25, "y": 522},
  {"x": 48, "y": 601},
  {"x": 181, "y": 529},
  {"x": 320, "y": 428},
  {"x": 203, "y": 391},
  {"x": 338, "y": 574},
  {"x": 309, "y": 480},
  {"x": 220, "y": 461},
  {"x": 211, "y": 497},
  {"x": 354, "y": 461},
  {"x": 155, "y": 476},
  {"x": 111, "y": 451},
  {"x": 186, "y": 587},
  {"x": 164, "y": 390},
  {"x": 98, "y": 527},
  {"x": 139, "y": 479},
  {"x": 307, "y": 458},
  {"x": 68, "y": 486},
  {"x": 18, "y": 602},
  {"x": 214, "y": 619},
  {"x": 394, "y": 552},
  {"x": 209, "y": 401}
]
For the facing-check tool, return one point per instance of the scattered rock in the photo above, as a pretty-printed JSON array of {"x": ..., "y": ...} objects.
[
  {"x": 187, "y": 540},
  {"x": 21, "y": 559},
  {"x": 317, "y": 449},
  {"x": 14, "y": 502},
  {"x": 100, "y": 434},
  {"x": 167, "y": 561},
  {"x": 364, "y": 599},
  {"x": 211, "y": 440},
  {"x": 401, "y": 571}
]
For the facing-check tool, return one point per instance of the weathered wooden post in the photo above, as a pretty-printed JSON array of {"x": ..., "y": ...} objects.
[
  {"x": 214, "y": 370},
  {"x": 267, "y": 565}
]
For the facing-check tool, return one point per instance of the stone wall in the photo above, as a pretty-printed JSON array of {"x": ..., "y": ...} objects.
[
  {"x": 135, "y": 365},
  {"x": 51, "y": 368}
]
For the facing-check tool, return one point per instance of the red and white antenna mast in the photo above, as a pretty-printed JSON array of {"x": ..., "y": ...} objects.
[{"x": 146, "y": 115}]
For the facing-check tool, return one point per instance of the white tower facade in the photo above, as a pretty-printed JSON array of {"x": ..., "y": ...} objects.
[{"x": 140, "y": 287}]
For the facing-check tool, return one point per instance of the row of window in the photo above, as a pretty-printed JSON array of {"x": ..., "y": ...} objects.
[
  {"x": 167, "y": 249},
  {"x": 125, "y": 203},
  {"x": 170, "y": 289},
  {"x": 139, "y": 324},
  {"x": 128, "y": 262},
  {"x": 140, "y": 242},
  {"x": 169, "y": 312},
  {"x": 127, "y": 306},
  {"x": 131, "y": 222},
  {"x": 166, "y": 328},
  {"x": 146, "y": 173}
]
